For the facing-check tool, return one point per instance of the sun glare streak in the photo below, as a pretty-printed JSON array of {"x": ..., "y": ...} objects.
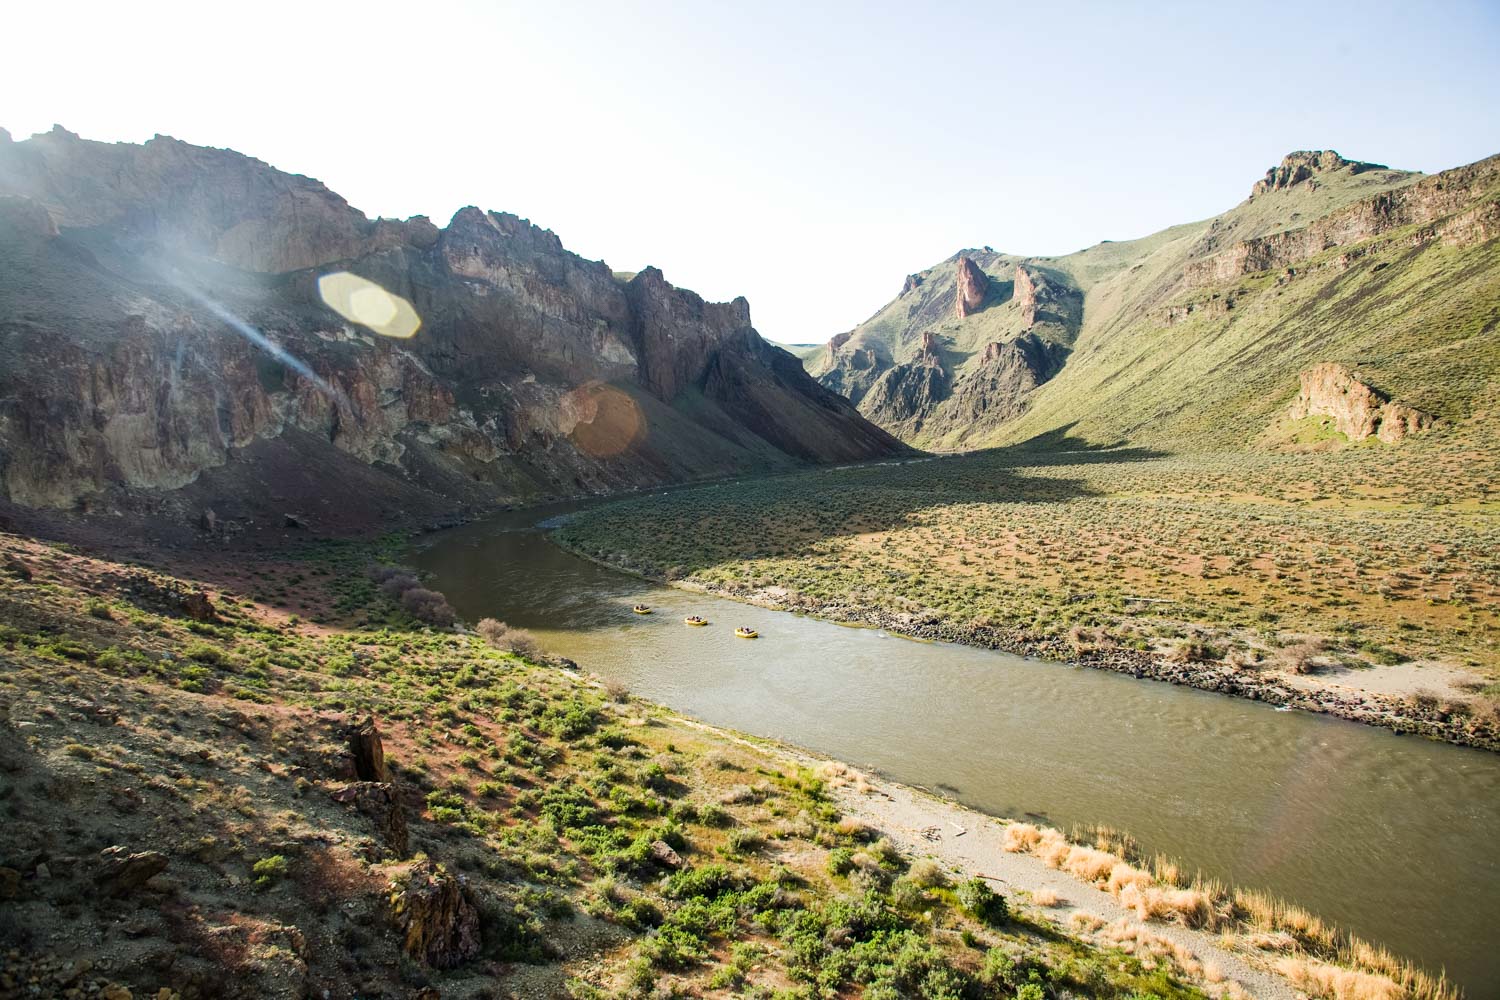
[
  {"x": 362, "y": 301},
  {"x": 255, "y": 337}
]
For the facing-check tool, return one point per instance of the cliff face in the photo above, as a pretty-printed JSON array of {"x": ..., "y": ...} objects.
[
  {"x": 1358, "y": 411},
  {"x": 163, "y": 344},
  {"x": 1449, "y": 208}
]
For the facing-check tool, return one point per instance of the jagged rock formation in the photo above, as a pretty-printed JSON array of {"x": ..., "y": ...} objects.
[
  {"x": 972, "y": 284},
  {"x": 434, "y": 910},
  {"x": 1305, "y": 165},
  {"x": 1358, "y": 410},
  {"x": 1196, "y": 335},
  {"x": 904, "y": 395},
  {"x": 137, "y": 283},
  {"x": 996, "y": 390}
]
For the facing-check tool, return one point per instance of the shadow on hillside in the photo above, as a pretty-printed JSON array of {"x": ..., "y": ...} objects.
[{"x": 792, "y": 517}]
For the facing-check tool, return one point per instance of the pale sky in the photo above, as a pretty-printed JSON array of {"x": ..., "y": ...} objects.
[{"x": 804, "y": 155}]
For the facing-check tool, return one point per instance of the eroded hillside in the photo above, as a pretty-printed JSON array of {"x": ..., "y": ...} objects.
[{"x": 1196, "y": 336}]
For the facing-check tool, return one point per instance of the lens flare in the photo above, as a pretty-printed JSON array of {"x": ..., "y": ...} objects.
[
  {"x": 601, "y": 420},
  {"x": 362, "y": 301}
]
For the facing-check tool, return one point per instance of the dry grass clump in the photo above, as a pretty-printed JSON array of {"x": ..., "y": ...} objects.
[
  {"x": 1045, "y": 897},
  {"x": 928, "y": 874},
  {"x": 1021, "y": 837},
  {"x": 1323, "y": 980},
  {"x": 1084, "y": 923},
  {"x": 1189, "y": 907}
]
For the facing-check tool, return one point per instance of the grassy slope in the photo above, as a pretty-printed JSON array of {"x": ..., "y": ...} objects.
[
  {"x": 219, "y": 745},
  {"x": 1132, "y": 376},
  {"x": 1420, "y": 323}
]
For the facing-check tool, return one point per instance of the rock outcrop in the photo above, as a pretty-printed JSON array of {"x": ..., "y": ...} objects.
[
  {"x": 368, "y": 752},
  {"x": 121, "y": 872},
  {"x": 164, "y": 349},
  {"x": 1358, "y": 410},
  {"x": 1043, "y": 299},
  {"x": 381, "y": 804},
  {"x": 1458, "y": 207},
  {"x": 997, "y": 388},
  {"x": 437, "y": 917},
  {"x": 1306, "y": 165},
  {"x": 972, "y": 284}
]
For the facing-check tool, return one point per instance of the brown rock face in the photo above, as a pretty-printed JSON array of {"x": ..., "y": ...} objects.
[
  {"x": 1025, "y": 294},
  {"x": 1358, "y": 410},
  {"x": 439, "y": 922},
  {"x": 972, "y": 284},
  {"x": 912, "y": 282},
  {"x": 381, "y": 804}
]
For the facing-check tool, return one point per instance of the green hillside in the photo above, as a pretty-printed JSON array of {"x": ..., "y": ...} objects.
[{"x": 1194, "y": 337}]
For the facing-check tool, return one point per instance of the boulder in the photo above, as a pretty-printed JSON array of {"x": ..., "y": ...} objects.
[{"x": 121, "y": 872}]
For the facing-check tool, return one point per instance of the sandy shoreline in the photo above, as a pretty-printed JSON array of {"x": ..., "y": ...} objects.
[{"x": 966, "y": 841}]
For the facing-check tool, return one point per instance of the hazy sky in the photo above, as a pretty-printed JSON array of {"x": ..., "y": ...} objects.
[{"x": 804, "y": 155}]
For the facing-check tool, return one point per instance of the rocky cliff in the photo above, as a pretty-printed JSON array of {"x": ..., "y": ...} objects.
[{"x": 164, "y": 346}]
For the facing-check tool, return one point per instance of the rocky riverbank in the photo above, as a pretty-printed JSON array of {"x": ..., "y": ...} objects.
[{"x": 1427, "y": 718}]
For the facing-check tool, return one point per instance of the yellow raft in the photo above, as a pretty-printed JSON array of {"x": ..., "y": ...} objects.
[
  {"x": 695, "y": 620},
  {"x": 641, "y": 609},
  {"x": 747, "y": 633}
]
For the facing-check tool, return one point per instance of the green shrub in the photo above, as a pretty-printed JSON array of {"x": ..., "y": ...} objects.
[
  {"x": 269, "y": 871},
  {"x": 982, "y": 903}
]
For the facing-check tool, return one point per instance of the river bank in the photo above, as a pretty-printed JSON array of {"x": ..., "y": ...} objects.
[{"x": 1405, "y": 714}]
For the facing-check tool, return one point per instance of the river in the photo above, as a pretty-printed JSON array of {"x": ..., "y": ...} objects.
[{"x": 1392, "y": 837}]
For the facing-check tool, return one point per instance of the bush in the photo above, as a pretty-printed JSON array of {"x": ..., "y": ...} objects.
[
  {"x": 204, "y": 653},
  {"x": 428, "y": 606},
  {"x": 983, "y": 903},
  {"x": 268, "y": 871},
  {"x": 511, "y": 640},
  {"x": 706, "y": 882}
]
